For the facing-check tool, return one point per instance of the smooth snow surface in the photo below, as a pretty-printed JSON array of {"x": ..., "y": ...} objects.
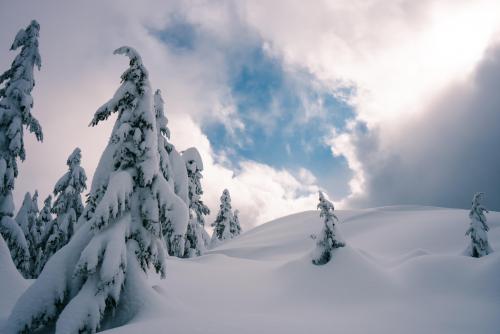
[
  {"x": 12, "y": 284},
  {"x": 401, "y": 272}
]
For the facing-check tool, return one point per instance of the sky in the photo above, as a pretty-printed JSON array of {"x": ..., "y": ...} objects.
[{"x": 378, "y": 102}]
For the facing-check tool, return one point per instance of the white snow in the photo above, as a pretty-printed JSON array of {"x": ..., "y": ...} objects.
[
  {"x": 192, "y": 155},
  {"x": 12, "y": 284},
  {"x": 402, "y": 271},
  {"x": 179, "y": 175}
]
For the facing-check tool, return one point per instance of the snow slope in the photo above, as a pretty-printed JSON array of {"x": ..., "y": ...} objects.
[
  {"x": 12, "y": 284},
  {"x": 402, "y": 272}
]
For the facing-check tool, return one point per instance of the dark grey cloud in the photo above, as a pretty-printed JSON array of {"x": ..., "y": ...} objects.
[{"x": 446, "y": 153}]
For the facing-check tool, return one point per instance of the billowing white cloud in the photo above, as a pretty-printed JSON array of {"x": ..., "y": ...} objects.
[
  {"x": 79, "y": 73},
  {"x": 260, "y": 192},
  {"x": 401, "y": 56}
]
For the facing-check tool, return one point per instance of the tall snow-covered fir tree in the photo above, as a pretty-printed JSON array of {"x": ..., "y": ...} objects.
[
  {"x": 478, "y": 229},
  {"x": 99, "y": 276},
  {"x": 197, "y": 239},
  {"x": 223, "y": 221},
  {"x": 328, "y": 240},
  {"x": 16, "y": 102},
  {"x": 68, "y": 206},
  {"x": 175, "y": 224},
  {"x": 45, "y": 221}
]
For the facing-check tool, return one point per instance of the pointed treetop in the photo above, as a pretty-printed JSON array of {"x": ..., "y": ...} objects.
[
  {"x": 27, "y": 36},
  {"x": 477, "y": 211},
  {"x": 27, "y": 198},
  {"x": 133, "y": 83},
  {"x": 326, "y": 207},
  {"x": 48, "y": 201},
  {"x": 161, "y": 120},
  {"x": 324, "y": 201},
  {"x": 129, "y": 52},
  {"x": 74, "y": 158},
  {"x": 35, "y": 198},
  {"x": 478, "y": 197}
]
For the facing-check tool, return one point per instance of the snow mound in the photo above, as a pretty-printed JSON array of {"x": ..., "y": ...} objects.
[
  {"x": 401, "y": 272},
  {"x": 12, "y": 284}
]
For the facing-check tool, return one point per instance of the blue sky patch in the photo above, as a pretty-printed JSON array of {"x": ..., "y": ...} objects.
[
  {"x": 286, "y": 116},
  {"x": 179, "y": 35},
  {"x": 286, "y": 112}
]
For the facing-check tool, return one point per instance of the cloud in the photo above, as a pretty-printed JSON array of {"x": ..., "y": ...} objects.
[
  {"x": 79, "y": 73},
  {"x": 447, "y": 153},
  {"x": 259, "y": 191},
  {"x": 402, "y": 57},
  {"x": 405, "y": 68}
]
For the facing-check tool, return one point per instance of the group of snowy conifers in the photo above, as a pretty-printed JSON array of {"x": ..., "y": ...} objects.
[
  {"x": 44, "y": 235},
  {"x": 144, "y": 203}
]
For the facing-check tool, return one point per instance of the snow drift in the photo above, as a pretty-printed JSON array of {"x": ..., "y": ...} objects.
[{"x": 402, "y": 271}]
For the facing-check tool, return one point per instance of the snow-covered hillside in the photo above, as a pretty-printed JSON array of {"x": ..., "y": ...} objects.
[{"x": 264, "y": 282}]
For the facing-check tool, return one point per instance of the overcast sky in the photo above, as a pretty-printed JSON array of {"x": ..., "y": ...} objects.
[{"x": 376, "y": 102}]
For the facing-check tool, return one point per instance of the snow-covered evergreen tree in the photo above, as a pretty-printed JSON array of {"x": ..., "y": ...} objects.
[
  {"x": 197, "y": 239},
  {"x": 478, "y": 229},
  {"x": 235, "y": 226},
  {"x": 68, "y": 205},
  {"x": 222, "y": 223},
  {"x": 27, "y": 219},
  {"x": 45, "y": 221},
  {"x": 26, "y": 215},
  {"x": 175, "y": 224},
  {"x": 15, "y": 114},
  {"x": 329, "y": 239},
  {"x": 53, "y": 236},
  {"x": 100, "y": 274}
]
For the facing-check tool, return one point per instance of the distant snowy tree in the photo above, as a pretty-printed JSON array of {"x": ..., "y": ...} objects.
[
  {"x": 15, "y": 114},
  {"x": 53, "y": 238},
  {"x": 479, "y": 245},
  {"x": 26, "y": 216},
  {"x": 222, "y": 223},
  {"x": 328, "y": 240},
  {"x": 45, "y": 221},
  {"x": 175, "y": 222},
  {"x": 27, "y": 219},
  {"x": 68, "y": 205},
  {"x": 197, "y": 239},
  {"x": 235, "y": 226},
  {"x": 100, "y": 275}
]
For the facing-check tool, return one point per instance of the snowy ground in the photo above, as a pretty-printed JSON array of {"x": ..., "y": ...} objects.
[{"x": 402, "y": 272}]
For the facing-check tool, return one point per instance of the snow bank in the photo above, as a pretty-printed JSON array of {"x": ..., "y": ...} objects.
[
  {"x": 11, "y": 282},
  {"x": 401, "y": 272}
]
